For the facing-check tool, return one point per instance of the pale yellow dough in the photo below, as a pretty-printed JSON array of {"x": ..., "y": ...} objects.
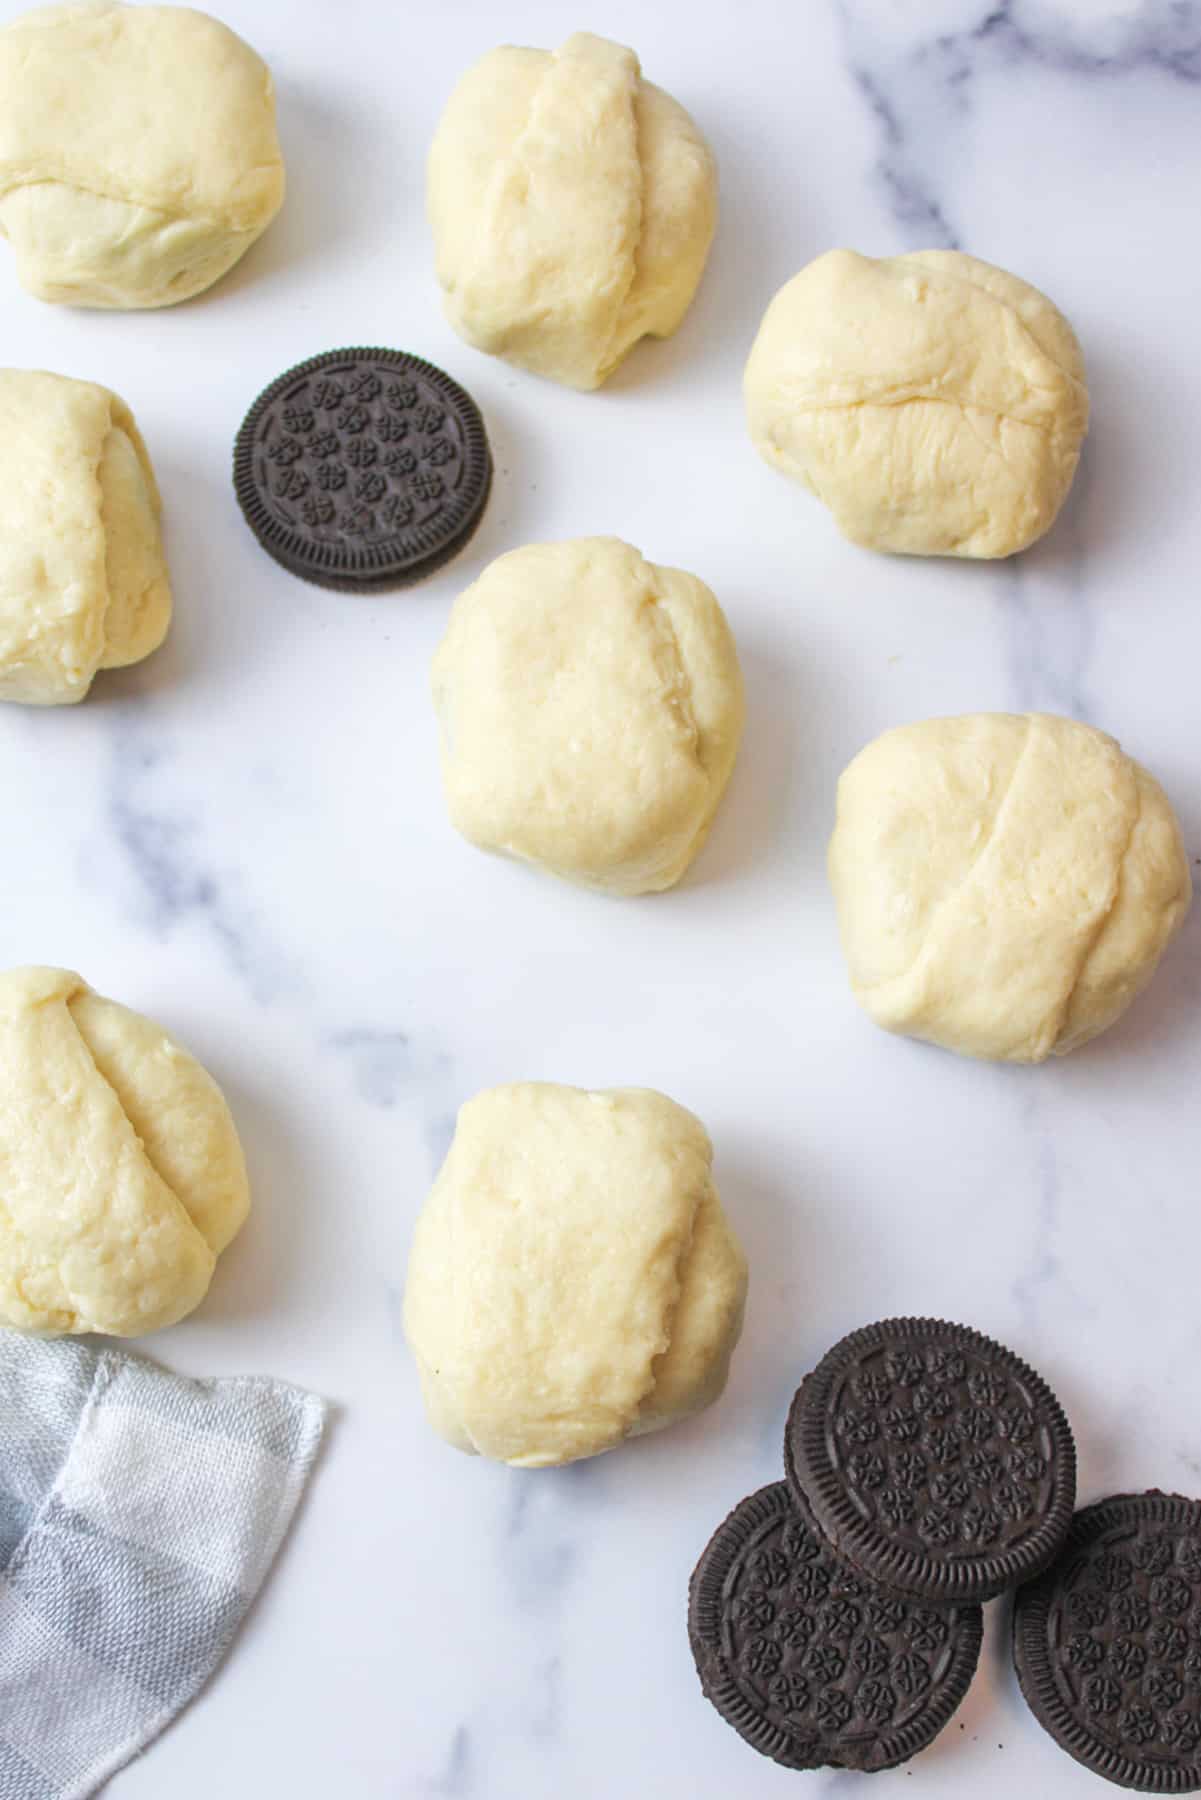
[
  {"x": 1006, "y": 884},
  {"x": 573, "y": 1280},
  {"x": 937, "y": 405},
  {"x": 590, "y": 706},
  {"x": 83, "y": 579},
  {"x": 138, "y": 154},
  {"x": 123, "y": 1175},
  {"x": 572, "y": 206}
]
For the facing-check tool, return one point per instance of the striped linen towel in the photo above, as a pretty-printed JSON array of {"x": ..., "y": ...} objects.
[{"x": 139, "y": 1513}]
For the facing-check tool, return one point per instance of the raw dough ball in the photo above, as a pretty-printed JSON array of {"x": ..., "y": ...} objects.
[
  {"x": 936, "y": 404},
  {"x": 138, "y": 155},
  {"x": 573, "y": 1280},
  {"x": 123, "y": 1175},
  {"x": 572, "y": 206},
  {"x": 1005, "y": 884},
  {"x": 83, "y": 580},
  {"x": 590, "y": 706}
]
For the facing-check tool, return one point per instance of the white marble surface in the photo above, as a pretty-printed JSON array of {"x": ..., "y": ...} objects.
[{"x": 245, "y": 838}]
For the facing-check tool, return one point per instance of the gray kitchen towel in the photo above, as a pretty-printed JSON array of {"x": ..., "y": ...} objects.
[{"x": 139, "y": 1513}]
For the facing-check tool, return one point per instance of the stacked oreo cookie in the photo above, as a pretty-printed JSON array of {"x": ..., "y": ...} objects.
[
  {"x": 835, "y": 1617},
  {"x": 1108, "y": 1642}
]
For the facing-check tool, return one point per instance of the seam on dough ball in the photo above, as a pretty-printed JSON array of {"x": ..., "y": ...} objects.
[
  {"x": 962, "y": 407},
  {"x": 677, "y": 694},
  {"x": 615, "y": 351},
  {"x": 102, "y": 511},
  {"x": 1134, "y": 985},
  {"x": 716, "y": 1367},
  {"x": 1102, "y": 922},
  {"x": 107, "y": 660},
  {"x": 949, "y": 900},
  {"x": 223, "y": 242},
  {"x": 184, "y": 1214},
  {"x": 670, "y": 1314},
  {"x": 39, "y": 176},
  {"x": 452, "y": 1397}
]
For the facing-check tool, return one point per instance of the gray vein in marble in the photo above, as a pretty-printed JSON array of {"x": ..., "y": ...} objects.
[
  {"x": 909, "y": 199},
  {"x": 1043, "y": 1268},
  {"x": 161, "y": 846},
  {"x": 1164, "y": 35},
  {"x": 548, "y": 1685},
  {"x": 1048, "y": 625},
  {"x": 381, "y": 1062},
  {"x": 158, "y": 843},
  {"x": 385, "y": 1066},
  {"x": 457, "y": 1777},
  {"x": 439, "y": 1131},
  {"x": 918, "y": 94},
  {"x": 543, "y": 1533}
]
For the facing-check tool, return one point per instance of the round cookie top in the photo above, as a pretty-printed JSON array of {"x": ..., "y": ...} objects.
[
  {"x": 1107, "y": 1643},
  {"x": 812, "y": 1665},
  {"x": 363, "y": 468},
  {"x": 933, "y": 1459}
]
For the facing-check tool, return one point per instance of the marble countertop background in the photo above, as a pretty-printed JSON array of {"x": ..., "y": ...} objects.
[{"x": 245, "y": 839}]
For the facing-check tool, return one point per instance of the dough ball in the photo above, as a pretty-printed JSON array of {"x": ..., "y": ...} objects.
[
  {"x": 936, "y": 404},
  {"x": 590, "y": 706},
  {"x": 83, "y": 580},
  {"x": 138, "y": 155},
  {"x": 572, "y": 206},
  {"x": 123, "y": 1175},
  {"x": 573, "y": 1280},
  {"x": 1005, "y": 884}
]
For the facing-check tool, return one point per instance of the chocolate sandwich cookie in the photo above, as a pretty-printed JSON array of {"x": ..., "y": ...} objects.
[
  {"x": 363, "y": 469},
  {"x": 1107, "y": 1643},
  {"x": 933, "y": 1459},
  {"x": 812, "y": 1665}
]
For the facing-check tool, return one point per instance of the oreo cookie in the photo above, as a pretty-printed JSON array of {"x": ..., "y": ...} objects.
[
  {"x": 811, "y": 1664},
  {"x": 933, "y": 1459},
  {"x": 363, "y": 469},
  {"x": 1107, "y": 1643}
]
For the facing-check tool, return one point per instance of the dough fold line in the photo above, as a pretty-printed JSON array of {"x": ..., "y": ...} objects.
[
  {"x": 1105, "y": 917},
  {"x": 185, "y": 1216},
  {"x": 950, "y": 899},
  {"x": 562, "y": 67},
  {"x": 20, "y": 181},
  {"x": 681, "y": 689},
  {"x": 917, "y": 397},
  {"x": 629, "y": 1426},
  {"x": 994, "y": 835}
]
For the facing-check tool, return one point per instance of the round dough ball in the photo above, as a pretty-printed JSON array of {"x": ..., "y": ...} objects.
[
  {"x": 123, "y": 1174},
  {"x": 572, "y": 206},
  {"x": 590, "y": 706},
  {"x": 1005, "y": 884},
  {"x": 83, "y": 579},
  {"x": 138, "y": 155},
  {"x": 573, "y": 1280},
  {"x": 936, "y": 404}
]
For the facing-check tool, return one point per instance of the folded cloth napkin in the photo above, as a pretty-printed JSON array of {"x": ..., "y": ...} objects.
[{"x": 139, "y": 1513}]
